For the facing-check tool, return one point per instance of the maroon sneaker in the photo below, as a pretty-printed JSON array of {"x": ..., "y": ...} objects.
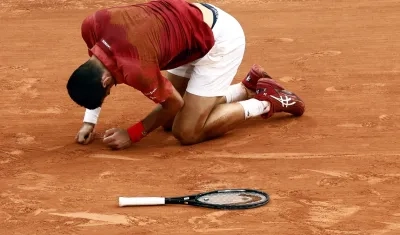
[
  {"x": 281, "y": 100},
  {"x": 256, "y": 72}
]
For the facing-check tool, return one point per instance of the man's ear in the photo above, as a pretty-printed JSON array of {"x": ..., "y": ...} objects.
[{"x": 106, "y": 79}]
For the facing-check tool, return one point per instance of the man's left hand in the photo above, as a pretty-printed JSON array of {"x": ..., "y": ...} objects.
[{"x": 117, "y": 138}]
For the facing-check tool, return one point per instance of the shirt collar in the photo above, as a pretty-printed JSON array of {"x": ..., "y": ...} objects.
[{"x": 103, "y": 52}]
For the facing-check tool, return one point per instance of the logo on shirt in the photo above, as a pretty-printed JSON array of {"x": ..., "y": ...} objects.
[
  {"x": 149, "y": 94},
  {"x": 106, "y": 44}
]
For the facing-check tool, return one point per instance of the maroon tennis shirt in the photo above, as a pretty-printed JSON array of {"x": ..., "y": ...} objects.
[{"x": 136, "y": 42}]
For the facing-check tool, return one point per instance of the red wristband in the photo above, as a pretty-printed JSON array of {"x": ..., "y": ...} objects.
[{"x": 136, "y": 132}]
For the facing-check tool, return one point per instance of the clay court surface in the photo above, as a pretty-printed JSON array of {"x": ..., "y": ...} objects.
[{"x": 336, "y": 170}]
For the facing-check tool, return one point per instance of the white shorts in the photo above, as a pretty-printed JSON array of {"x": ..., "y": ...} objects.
[{"x": 211, "y": 75}]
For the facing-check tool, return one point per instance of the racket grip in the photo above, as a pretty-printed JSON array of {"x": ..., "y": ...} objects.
[{"x": 141, "y": 201}]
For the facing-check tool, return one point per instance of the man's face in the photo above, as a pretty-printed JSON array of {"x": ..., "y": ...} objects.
[
  {"x": 108, "y": 90},
  {"x": 108, "y": 82}
]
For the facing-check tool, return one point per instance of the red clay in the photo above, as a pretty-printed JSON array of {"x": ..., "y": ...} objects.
[{"x": 333, "y": 171}]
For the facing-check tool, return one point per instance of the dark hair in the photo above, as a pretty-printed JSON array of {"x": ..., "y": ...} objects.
[{"x": 85, "y": 87}]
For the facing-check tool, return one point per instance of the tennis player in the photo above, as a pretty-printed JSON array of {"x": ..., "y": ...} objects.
[{"x": 199, "y": 45}]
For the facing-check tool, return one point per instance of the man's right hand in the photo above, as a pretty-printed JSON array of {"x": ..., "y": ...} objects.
[{"x": 85, "y": 134}]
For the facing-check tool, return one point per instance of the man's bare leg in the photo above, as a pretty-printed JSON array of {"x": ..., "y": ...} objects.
[
  {"x": 203, "y": 118},
  {"x": 236, "y": 92},
  {"x": 180, "y": 84}
]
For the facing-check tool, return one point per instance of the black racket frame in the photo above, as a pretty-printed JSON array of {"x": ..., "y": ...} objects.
[{"x": 193, "y": 200}]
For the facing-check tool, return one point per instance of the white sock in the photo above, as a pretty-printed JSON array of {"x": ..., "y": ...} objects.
[
  {"x": 235, "y": 93},
  {"x": 254, "y": 107}
]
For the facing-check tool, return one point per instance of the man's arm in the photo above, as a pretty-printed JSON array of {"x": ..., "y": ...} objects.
[
  {"x": 163, "y": 112},
  {"x": 85, "y": 134},
  {"x": 166, "y": 110},
  {"x": 147, "y": 78}
]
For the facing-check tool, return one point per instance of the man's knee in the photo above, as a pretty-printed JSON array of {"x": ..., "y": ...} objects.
[
  {"x": 189, "y": 123},
  {"x": 186, "y": 136}
]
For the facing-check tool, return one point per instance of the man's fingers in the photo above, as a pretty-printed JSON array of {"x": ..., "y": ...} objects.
[
  {"x": 119, "y": 145},
  {"x": 111, "y": 142},
  {"x": 109, "y": 139},
  {"x": 81, "y": 138},
  {"x": 88, "y": 138},
  {"x": 113, "y": 145},
  {"x": 84, "y": 137},
  {"x": 109, "y": 135},
  {"x": 109, "y": 132}
]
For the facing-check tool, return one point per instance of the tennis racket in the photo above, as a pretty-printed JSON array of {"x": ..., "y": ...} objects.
[{"x": 228, "y": 199}]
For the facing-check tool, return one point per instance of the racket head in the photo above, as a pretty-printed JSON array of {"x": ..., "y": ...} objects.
[{"x": 231, "y": 199}]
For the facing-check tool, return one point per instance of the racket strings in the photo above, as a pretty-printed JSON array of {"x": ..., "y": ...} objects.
[{"x": 233, "y": 198}]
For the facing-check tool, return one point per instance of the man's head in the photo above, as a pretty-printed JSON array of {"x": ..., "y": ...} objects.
[{"x": 89, "y": 84}]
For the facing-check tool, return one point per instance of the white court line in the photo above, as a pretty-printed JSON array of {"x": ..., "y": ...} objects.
[
  {"x": 108, "y": 156},
  {"x": 288, "y": 155},
  {"x": 109, "y": 219}
]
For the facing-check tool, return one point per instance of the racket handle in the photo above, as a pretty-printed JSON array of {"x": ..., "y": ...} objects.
[{"x": 141, "y": 201}]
